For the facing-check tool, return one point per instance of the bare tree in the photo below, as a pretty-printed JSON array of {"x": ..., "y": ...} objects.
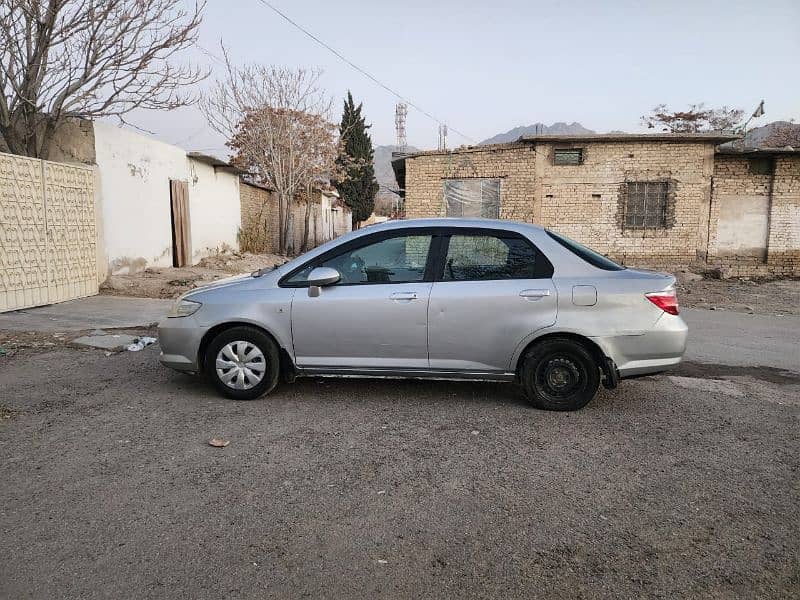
[
  {"x": 277, "y": 122},
  {"x": 783, "y": 135},
  {"x": 696, "y": 119},
  {"x": 89, "y": 58}
]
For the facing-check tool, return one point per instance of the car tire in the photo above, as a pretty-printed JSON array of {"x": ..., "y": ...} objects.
[
  {"x": 559, "y": 374},
  {"x": 250, "y": 363}
]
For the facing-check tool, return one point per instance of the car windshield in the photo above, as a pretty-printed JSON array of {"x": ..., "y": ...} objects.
[{"x": 593, "y": 258}]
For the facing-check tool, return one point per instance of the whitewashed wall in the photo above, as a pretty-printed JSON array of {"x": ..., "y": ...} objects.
[
  {"x": 214, "y": 208},
  {"x": 134, "y": 173}
]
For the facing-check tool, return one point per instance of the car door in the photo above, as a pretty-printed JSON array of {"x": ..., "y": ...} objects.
[
  {"x": 494, "y": 289},
  {"x": 376, "y": 316}
]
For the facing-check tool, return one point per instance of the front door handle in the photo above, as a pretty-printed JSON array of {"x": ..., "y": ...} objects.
[
  {"x": 404, "y": 296},
  {"x": 533, "y": 295}
]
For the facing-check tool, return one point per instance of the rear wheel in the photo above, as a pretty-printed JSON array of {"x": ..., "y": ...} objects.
[
  {"x": 559, "y": 374},
  {"x": 243, "y": 363}
]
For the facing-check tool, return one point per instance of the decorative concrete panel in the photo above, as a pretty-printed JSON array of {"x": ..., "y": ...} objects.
[{"x": 48, "y": 239}]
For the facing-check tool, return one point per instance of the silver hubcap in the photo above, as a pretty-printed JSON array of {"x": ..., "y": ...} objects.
[{"x": 241, "y": 365}]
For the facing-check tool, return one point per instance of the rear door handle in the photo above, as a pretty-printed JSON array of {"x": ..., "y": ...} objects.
[
  {"x": 404, "y": 296},
  {"x": 534, "y": 295}
]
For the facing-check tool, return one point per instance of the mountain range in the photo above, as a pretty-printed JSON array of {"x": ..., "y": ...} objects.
[{"x": 559, "y": 128}]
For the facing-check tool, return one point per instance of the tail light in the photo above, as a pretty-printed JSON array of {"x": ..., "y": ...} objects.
[{"x": 666, "y": 300}]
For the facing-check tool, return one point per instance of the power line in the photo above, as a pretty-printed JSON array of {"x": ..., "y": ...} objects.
[{"x": 362, "y": 71}]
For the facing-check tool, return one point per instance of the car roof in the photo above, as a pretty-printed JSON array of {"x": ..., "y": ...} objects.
[{"x": 453, "y": 222}]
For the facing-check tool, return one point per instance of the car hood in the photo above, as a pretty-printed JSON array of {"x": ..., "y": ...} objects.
[{"x": 219, "y": 283}]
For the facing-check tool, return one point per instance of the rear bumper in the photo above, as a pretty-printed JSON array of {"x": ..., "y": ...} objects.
[
  {"x": 179, "y": 339},
  {"x": 656, "y": 350}
]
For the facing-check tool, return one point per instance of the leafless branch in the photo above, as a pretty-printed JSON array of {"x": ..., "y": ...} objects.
[
  {"x": 90, "y": 58},
  {"x": 697, "y": 118},
  {"x": 277, "y": 122}
]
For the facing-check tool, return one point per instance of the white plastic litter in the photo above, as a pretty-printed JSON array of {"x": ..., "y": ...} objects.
[{"x": 141, "y": 343}]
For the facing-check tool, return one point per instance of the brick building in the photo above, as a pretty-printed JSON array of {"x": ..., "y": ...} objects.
[{"x": 664, "y": 200}]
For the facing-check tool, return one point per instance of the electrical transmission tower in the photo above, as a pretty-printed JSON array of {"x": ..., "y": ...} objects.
[{"x": 400, "y": 113}]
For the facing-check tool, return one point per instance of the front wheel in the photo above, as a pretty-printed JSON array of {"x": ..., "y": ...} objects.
[
  {"x": 559, "y": 374},
  {"x": 243, "y": 363}
]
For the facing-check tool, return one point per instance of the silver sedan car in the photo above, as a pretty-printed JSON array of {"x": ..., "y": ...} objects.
[{"x": 434, "y": 298}]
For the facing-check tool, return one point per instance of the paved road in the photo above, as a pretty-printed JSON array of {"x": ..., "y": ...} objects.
[
  {"x": 669, "y": 487},
  {"x": 741, "y": 339}
]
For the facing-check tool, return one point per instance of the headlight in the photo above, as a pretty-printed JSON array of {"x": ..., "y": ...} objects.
[{"x": 184, "y": 308}]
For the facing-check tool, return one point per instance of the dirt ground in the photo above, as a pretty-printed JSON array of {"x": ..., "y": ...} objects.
[
  {"x": 669, "y": 487},
  {"x": 776, "y": 297},
  {"x": 779, "y": 297},
  {"x": 168, "y": 282}
]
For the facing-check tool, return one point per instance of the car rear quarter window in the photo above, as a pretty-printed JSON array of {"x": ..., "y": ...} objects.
[{"x": 587, "y": 254}]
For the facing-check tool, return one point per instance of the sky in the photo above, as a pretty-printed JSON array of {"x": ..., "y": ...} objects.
[{"x": 484, "y": 67}]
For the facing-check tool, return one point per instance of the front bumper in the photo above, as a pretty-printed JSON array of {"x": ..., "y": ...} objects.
[
  {"x": 656, "y": 350},
  {"x": 179, "y": 339}
]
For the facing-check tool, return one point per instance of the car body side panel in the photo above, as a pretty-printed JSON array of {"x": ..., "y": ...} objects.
[
  {"x": 659, "y": 348},
  {"x": 476, "y": 325},
  {"x": 623, "y": 323},
  {"x": 267, "y": 309},
  {"x": 375, "y": 325}
]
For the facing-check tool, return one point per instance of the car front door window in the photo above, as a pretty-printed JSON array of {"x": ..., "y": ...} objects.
[{"x": 400, "y": 259}]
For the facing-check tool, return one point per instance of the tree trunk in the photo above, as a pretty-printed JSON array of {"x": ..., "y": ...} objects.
[
  {"x": 283, "y": 218},
  {"x": 307, "y": 226},
  {"x": 288, "y": 231}
]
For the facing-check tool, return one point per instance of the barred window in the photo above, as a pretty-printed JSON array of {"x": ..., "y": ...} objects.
[
  {"x": 472, "y": 198},
  {"x": 568, "y": 156},
  {"x": 646, "y": 205}
]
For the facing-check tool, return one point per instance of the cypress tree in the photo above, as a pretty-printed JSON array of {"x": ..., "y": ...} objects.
[{"x": 358, "y": 185}]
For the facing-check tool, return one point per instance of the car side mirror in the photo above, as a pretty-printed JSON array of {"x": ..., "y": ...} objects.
[{"x": 320, "y": 277}]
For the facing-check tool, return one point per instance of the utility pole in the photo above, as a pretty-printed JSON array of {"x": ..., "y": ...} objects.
[{"x": 442, "y": 137}]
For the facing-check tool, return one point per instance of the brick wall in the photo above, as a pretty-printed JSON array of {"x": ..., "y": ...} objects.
[
  {"x": 259, "y": 232},
  {"x": 733, "y": 182},
  {"x": 783, "y": 247},
  {"x": 779, "y": 195},
  {"x": 581, "y": 201},
  {"x": 261, "y": 227},
  {"x": 513, "y": 165},
  {"x": 587, "y": 201}
]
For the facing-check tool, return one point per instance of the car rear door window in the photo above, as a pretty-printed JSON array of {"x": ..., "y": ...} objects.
[{"x": 490, "y": 257}]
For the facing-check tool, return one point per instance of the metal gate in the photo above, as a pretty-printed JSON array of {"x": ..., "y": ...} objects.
[{"x": 48, "y": 237}]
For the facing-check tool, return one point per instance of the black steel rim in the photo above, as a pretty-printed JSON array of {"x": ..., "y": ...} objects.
[{"x": 558, "y": 378}]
